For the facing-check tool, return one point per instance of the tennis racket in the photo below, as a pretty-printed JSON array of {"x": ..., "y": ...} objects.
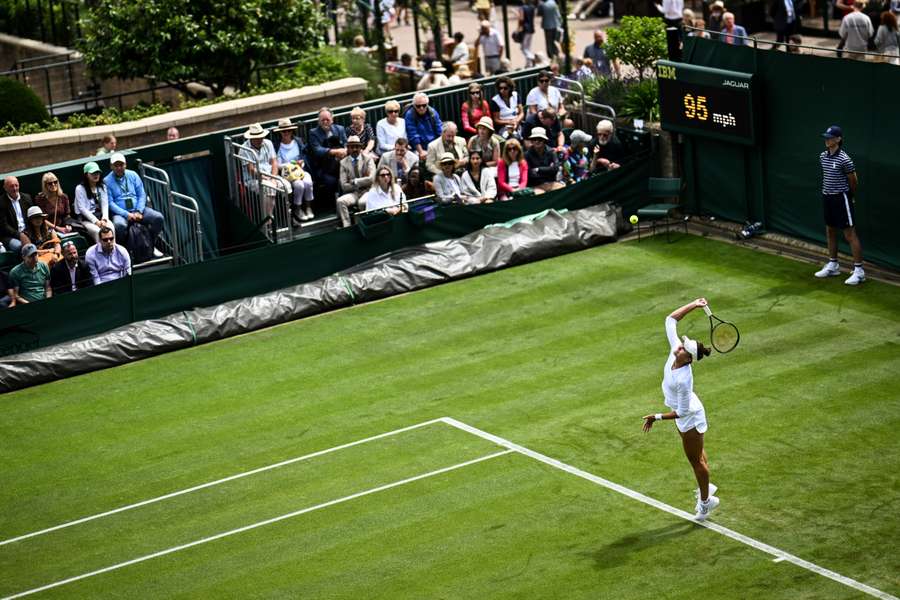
[{"x": 723, "y": 334}]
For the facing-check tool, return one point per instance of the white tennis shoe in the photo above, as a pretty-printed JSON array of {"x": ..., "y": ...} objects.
[
  {"x": 712, "y": 491},
  {"x": 705, "y": 508},
  {"x": 857, "y": 277},
  {"x": 831, "y": 269}
]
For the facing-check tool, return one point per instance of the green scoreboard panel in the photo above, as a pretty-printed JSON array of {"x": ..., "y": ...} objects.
[{"x": 707, "y": 102}]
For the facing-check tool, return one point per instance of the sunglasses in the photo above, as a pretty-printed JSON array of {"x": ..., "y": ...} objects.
[
  {"x": 384, "y": 174},
  {"x": 543, "y": 81},
  {"x": 394, "y": 112},
  {"x": 109, "y": 239},
  {"x": 420, "y": 105},
  {"x": 475, "y": 93},
  {"x": 54, "y": 182}
]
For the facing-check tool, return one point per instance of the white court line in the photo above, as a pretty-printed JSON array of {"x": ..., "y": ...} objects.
[
  {"x": 779, "y": 554},
  {"x": 219, "y": 536},
  {"x": 209, "y": 484}
]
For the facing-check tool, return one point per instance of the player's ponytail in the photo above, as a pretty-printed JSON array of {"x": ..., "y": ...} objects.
[{"x": 702, "y": 351}]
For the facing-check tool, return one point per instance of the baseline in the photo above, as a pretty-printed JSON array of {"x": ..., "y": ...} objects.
[
  {"x": 231, "y": 532},
  {"x": 780, "y": 555},
  {"x": 210, "y": 484}
]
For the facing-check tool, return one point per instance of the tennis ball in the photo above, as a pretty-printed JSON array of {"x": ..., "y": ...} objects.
[{"x": 633, "y": 219}]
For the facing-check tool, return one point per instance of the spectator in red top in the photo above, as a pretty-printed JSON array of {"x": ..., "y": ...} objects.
[
  {"x": 473, "y": 109},
  {"x": 512, "y": 170},
  {"x": 54, "y": 203}
]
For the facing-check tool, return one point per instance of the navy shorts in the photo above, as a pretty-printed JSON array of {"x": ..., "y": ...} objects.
[{"x": 839, "y": 210}]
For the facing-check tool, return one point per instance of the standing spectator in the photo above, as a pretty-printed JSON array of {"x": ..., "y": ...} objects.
[
  {"x": 856, "y": 30},
  {"x": 887, "y": 40},
  {"x": 526, "y": 26},
  {"x": 551, "y": 125},
  {"x": 506, "y": 110},
  {"x": 608, "y": 153},
  {"x": 672, "y": 12},
  {"x": 172, "y": 134},
  {"x": 92, "y": 201},
  {"x": 43, "y": 236},
  {"x": 108, "y": 145},
  {"x": 327, "y": 143},
  {"x": 731, "y": 33},
  {"x": 512, "y": 170},
  {"x": 716, "y": 18},
  {"x": 55, "y": 203},
  {"x": 13, "y": 208},
  {"x": 545, "y": 95},
  {"x": 384, "y": 194},
  {"x": 543, "y": 166},
  {"x": 106, "y": 260},
  {"x": 291, "y": 159},
  {"x": 363, "y": 131},
  {"x": 478, "y": 180},
  {"x": 389, "y": 129},
  {"x": 473, "y": 109},
  {"x": 460, "y": 52},
  {"x": 357, "y": 176},
  {"x": 71, "y": 274},
  {"x": 448, "y": 187},
  {"x": 423, "y": 125},
  {"x": 597, "y": 53},
  {"x": 29, "y": 281},
  {"x": 786, "y": 18},
  {"x": 491, "y": 47},
  {"x": 486, "y": 143},
  {"x": 483, "y": 8},
  {"x": 839, "y": 183},
  {"x": 550, "y": 23},
  {"x": 128, "y": 201},
  {"x": 416, "y": 186},
  {"x": 434, "y": 78},
  {"x": 400, "y": 161},
  {"x": 448, "y": 143}
]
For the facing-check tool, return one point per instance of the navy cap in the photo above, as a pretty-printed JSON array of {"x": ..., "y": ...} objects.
[{"x": 833, "y": 132}]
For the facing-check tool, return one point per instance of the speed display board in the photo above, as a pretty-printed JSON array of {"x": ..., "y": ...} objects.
[{"x": 707, "y": 102}]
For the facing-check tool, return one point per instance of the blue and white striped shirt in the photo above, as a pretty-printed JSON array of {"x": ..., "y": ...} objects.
[{"x": 835, "y": 169}]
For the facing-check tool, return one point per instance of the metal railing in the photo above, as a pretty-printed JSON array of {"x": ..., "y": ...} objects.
[
  {"x": 264, "y": 199},
  {"x": 57, "y": 22},
  {"x": 181, "y": 229},
  {"x": 759, "y": 44}
]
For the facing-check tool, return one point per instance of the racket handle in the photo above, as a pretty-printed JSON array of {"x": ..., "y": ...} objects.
[{"x": 707, "y": 310}]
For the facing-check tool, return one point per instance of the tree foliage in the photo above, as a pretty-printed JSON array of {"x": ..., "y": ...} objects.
[
  {"x": 638, "y": 41},
  {"x": 211, "y": 42},
  {"x": 18, "y": 104}
]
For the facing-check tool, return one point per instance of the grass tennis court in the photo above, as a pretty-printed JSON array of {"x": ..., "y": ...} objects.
[{"x": 350, "y": 455}]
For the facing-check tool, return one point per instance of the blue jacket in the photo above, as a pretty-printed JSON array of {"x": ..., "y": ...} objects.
[
  {"x": 736, "y": 35},
  {"x": 319, "y": 143},
  {"x": 132, "y": 187},
  {"x": 422, "y": 130}
]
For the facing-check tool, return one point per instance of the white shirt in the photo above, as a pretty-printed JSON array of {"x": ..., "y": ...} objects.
[
  {"x": 387, "y": 134},
  {"x": 460, "y": 53},
  {"x": 491, "y": 44},
  {"x": 678, "y": 384},
  {"x": 507, "y": 111},
  {"x": 513, "y": 174},
  {"x": 17, "y": 206},
  {"x": 553, "y": 98},
  {"x": 671, "y": 9},
  {"x": 377, "y": 198}
]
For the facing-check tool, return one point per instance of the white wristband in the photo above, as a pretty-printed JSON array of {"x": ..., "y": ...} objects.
[{"x": 658, "y": 417}]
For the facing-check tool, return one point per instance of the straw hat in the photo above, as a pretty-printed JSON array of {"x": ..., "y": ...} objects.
[
  {"x": 463, "y": 70},
  {"x": 284, "y": 125},
  {"x": 538, "y": 133},
  {"x": 447, "y": 157},
  {"x": 34, "y": 211},
  {"x": 485, "y": 122},
  {"x": 255, "y": 132},
  {"x": 437, "y": 67},
  {"x": 353, "y": 140}
]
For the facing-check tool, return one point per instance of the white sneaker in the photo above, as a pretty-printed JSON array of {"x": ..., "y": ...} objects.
[
  {"x": 705, "y": 508},
  {"x": 309, "y": 214},
  {"x": 158, "y": 254},
  {"x": 831, "y": 269},
  {"x": 857, "y": 277},
  {"x": 713, "y": 488}
]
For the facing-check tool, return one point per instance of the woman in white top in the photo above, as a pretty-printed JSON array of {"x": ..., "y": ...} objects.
[
  {"x": 686, "y": 408},
  {"x": 385, "y": 193},
  {"x": 479, "y": 180},
  {"x": 390, "y": 128},
  {"x": 448, "y": 186},
  {"x": 505, "y": 107},
  {"x": 92, "y": 202},
  {"x": 545, "y": 95}
]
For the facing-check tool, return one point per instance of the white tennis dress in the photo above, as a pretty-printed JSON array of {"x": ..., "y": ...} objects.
[{"x": 678, "y": 387}]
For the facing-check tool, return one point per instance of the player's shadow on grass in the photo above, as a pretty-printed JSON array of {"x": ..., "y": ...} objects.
[{"x": 621, "y": 551}]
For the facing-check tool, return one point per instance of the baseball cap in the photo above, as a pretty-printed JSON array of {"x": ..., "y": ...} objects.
[
  {"x": 91, "y": 167},
  {"x": 833, "y": 132},
  {"x": 28, "y": 250},
  {"x": 117, "y": 157}
]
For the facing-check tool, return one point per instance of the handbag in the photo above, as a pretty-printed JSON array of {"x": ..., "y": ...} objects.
[{"x": 517, "y": 35}]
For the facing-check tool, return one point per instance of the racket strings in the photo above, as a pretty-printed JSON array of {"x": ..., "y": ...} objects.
[{"x": 725, "y": 336}]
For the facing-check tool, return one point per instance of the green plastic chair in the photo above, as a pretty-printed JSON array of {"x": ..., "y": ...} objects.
[{"x": 661, "y": 187}]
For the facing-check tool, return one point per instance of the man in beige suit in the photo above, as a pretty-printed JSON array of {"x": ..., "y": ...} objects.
[
  {"x": 448, "y": 142},
  {"x": 356, "y": 177}
]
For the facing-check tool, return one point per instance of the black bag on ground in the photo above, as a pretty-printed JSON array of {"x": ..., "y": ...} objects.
[{"x": 139, "y": 242}]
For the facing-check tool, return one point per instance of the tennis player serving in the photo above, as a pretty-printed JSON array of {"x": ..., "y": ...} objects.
[{"x": 687, "y": 410}]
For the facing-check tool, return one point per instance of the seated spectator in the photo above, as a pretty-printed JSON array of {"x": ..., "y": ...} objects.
[
  {"x": 258, "y": 149},
  {"x": 545, "y": 96},
  {"x": 385, "y": 193},
  {"x": 291, "y": 160},
  {"x": 416, "y": 186},
  {"x": 357, "y": 176},
  {"x": 54, "y": 202},
  {"x": 128, "y": 201},
  {"x": 434, "y": 78},
  {"x": 400, "y": 161},
  {"x": 327, "y": 146},
  {"x": 363, "y": 131},
  {"x": 731, "y": 33},
  {"x": 460, "y": 52},
  {"x": 478, "y": 180},
  {"x": 390, "y": 128},
  {"x": 43, "y": 236},
  {"x": 577, "y": 164},
  {"x": 29, "y": 281},
  {"x": 461, "y": 73},
  {"x": 448, "y": 187},
  {"x": 491, "y": 47},
  {"x": 451, "y": 143},
  {"x": 486, "y": 142},
  {"x": 423, "y": 125},
  {"x": 108, "y": 145},
  {"x": 14, "y": 207},
  {"x": 608, "y": 152},
  {"x": 543, "y": 166},
  {"x": 512, "y": 170},
  {"x": 699, "y": 31},
  {"x": 506, "y": 110},
  {"x": 92, "y": 201},
  {"x": 71, "y": 274},
  {"x": 505, "y": 66},
  {"x": 583, "y": 69},
  {"x": 549, "y": 121},
  {"x": 359, "y": 45},
  {"x": 473, "y": 109},
  {"x": 172, "y": 134},
  {"x": 106, "y": 260}
]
